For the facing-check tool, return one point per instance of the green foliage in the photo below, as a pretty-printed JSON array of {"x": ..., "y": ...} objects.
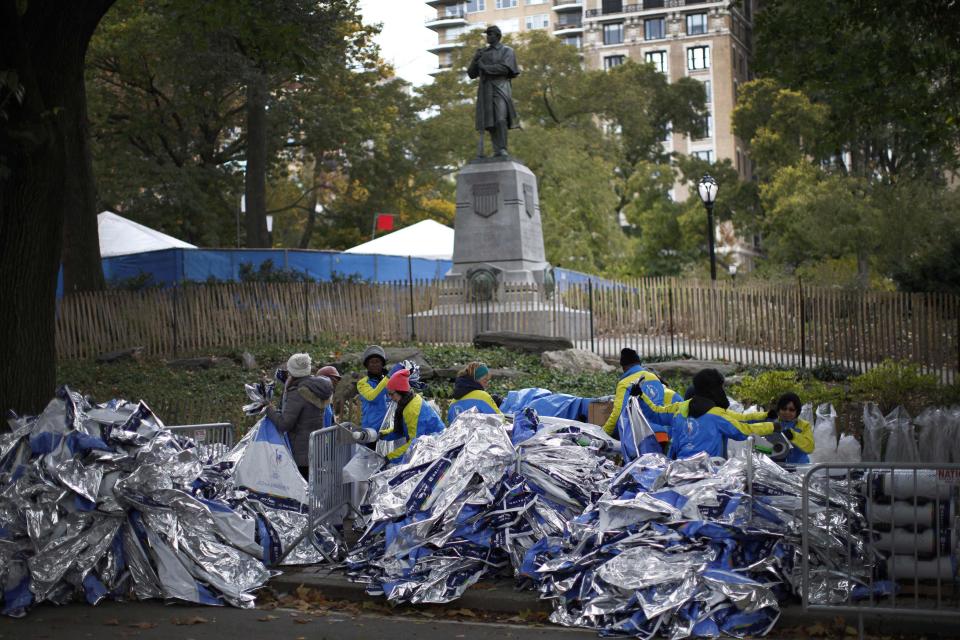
[
  {"x": 832, "y": 372},
  {"x": 893, "y": 384},
  {"x": 763, "y": 389}
]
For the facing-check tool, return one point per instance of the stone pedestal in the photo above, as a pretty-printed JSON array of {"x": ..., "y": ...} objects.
[{"x": 500, "y": 279}]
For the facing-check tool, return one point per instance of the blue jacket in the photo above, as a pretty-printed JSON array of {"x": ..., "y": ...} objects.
[
  {"x": 479, "y": 400},
  {"x": 419, "y": 419},
  {"x": 651, "y": 386},
  {"x": 708, "y": 432},
  {"x": 328, "y": 417},
  {"x": 373, "y": 401}
]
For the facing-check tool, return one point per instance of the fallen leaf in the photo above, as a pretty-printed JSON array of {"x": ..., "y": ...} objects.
[
  {"x": 302, "y": 620},
  {"x": 466, "y": 612},
  {"x": 266, "y": 618},
  {"x": 112, "y": 622},
  {"x": 851, "y": 631},
  {"x": 817, "y": 629},
  {"x": 190, "y": 620},
  {"x": 142, "y": 625}
]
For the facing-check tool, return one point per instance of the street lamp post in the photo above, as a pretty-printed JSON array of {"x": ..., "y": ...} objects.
[
  {"x": 708, "y": 188},
  {"x": 270, "y": 229}
]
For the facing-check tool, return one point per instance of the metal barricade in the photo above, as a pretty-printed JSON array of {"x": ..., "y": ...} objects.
[
  {"x": 210, "y": 433},
  {"x": 909, "y": 523},
  {"x": 331, "y": 448}
]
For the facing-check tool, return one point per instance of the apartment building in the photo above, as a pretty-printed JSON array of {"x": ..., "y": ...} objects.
[
  {"x": 708, "y": 40},
  {"x": 563, "y": 18}
]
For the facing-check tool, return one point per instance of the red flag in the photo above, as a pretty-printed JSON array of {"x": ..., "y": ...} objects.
[{"x": 384, "y": 222}]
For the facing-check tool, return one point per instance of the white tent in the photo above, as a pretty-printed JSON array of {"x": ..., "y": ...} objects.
[
  {"x": 119, "y": 236},
  {"x": 425, "y": 239}
]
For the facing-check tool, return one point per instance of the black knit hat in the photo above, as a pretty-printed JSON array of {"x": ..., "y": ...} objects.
[
  {"x": 628, "y": 357},
  {"x": 708, "y": 383}
]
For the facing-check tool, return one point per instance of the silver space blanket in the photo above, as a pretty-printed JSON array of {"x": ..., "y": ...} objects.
[{"x": 103, "y": 502}]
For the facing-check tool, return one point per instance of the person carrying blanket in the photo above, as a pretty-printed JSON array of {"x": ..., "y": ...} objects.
[{"x": 634, "y": 373}]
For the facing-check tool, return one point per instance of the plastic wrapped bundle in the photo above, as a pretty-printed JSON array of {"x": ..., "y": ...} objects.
[{"x": 103, "y": 502}]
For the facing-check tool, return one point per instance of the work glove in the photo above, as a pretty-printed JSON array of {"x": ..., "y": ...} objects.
[
  {"x": 789, "y": 434},
  {"x": 635, "y": 390},
  {"x": 777, "y": 427}
]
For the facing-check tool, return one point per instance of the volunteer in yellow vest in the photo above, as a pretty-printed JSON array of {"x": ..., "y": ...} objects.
[
  {"x": 635, "y": 374},
  {"x": 704, "y": 422},
  {"x": 470, "y": 391},
  {"x": 414, "y": 417},
  {"x": 372, "y": 388}
]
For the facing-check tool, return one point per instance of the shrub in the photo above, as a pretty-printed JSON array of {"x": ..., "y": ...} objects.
[
  {"x": 764, "y": 388},
  {"x": 892, "y": 384},
  {"x": 832, "y": 372}
]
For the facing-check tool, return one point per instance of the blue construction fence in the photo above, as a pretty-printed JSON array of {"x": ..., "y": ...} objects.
[{"x": 170, "y": 266}]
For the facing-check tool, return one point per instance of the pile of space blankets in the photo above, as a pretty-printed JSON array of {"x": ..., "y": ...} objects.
[
  {"x": 103, "y": 502},
  {"x": 677, "y": 548}
]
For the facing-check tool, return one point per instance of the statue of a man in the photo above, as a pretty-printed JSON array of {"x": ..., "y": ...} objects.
[{"x": 495, "y": 65}]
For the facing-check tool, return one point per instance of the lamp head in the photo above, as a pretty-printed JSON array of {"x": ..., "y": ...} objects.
[{"x": 708, "y": 188}]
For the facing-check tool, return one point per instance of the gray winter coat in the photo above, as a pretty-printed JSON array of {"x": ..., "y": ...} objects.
[{"x": 302, "y": 413}]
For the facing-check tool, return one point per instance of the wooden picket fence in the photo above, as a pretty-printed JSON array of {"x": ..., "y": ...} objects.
[{"x": 750, "y": 324}]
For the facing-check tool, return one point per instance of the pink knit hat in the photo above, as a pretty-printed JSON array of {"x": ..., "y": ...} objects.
[{"x": 399, "y": 382}]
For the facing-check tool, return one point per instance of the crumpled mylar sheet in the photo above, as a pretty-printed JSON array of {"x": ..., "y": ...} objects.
[
  {"x": 468, "y": 504},
  {"x": 657, "y": 548},
  {"x": 105, "y": 503}
]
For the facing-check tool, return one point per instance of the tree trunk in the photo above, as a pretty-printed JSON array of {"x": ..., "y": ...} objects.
[
  {"x": 256, "y": 177},
  {"x": 45, "y": 47},
  {"x": 82, "y": 267}
]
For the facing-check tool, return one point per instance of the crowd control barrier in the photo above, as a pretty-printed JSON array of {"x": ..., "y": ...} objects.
[
  {"x": 330, "y": 450},
  {"x": 211, "y": 433},
  {"x": 908, "y": 566}
]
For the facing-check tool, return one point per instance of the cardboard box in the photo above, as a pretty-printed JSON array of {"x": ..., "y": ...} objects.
[{"x": 598, "y": 412}]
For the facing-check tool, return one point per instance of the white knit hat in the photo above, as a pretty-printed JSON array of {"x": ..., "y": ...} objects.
[{"x": 299, "y": 365}]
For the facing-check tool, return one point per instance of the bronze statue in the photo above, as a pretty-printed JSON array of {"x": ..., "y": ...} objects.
[{"x": 495, "y": 65}]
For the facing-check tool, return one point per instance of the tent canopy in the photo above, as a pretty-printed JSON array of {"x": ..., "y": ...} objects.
[
  {"x": 425, "y": 239},
  {"x": 119, "y": 236}
]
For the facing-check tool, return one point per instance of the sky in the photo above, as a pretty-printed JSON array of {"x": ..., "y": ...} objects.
[{"x": 404, "y": 40}]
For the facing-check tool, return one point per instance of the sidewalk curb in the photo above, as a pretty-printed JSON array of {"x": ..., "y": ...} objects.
[{"x": 501, "y": 597}]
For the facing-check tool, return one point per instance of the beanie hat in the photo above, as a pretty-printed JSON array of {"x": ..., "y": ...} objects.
[
  {"x": 399, "y": 382},
  {"x": 299, "y": 365},
  {"x": 374, "y": 351},
  {"x": 481, "y": 372},
  {"x": 330, "y": 372},
  {"x": 708, "y": 383},
  {"x": 628, "y": 356}
]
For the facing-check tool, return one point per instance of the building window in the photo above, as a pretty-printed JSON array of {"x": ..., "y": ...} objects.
[
  {"x": 476, "y": 5},
  {"x": 539, "y": 21},
  {"x": 573, "y": 41},
  {"x": 707, "y": 91},
  {"x": 653, "y": 29},
  {"x": 529, "y": 2},
  {"x": 698, "y": 58},
  {"x": 706, "y": 127},
  {"x": 609, "y": 62},
  {"x": 696, "y": 24},
  {"x": 611, "y": 6},
  {"x": 658, "y": 59},
  {"x": 511, "y": 25},
  {"x": 613, "y": 33},
  {"x": 506, "y": 4},
  {"x": 704, "y": 155}
]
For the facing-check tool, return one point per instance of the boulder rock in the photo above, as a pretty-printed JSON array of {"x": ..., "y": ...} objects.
[
  {"x": 689, "y": 367},
  {"x": 450, "y": 373},
  {"x": 134, "y": 353},
  {"x": 572, "y": 360},
  {"x": 523, "y": 342}
]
